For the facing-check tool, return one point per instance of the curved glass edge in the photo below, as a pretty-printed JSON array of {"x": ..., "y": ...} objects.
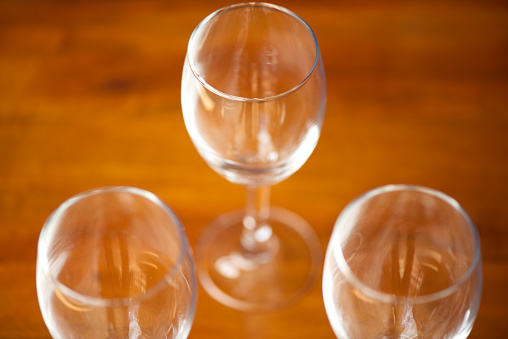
[
  {"x": 200, "y": 79},
  {"x": 391, "y": 298},
  {"x": 47, "y": 231}
]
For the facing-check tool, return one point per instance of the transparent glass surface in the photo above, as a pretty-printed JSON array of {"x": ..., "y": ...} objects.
[
  {"x": 403, "y": 262},
  {"x": 115, "y": 263},
  {"x": 253, "y": 100}
]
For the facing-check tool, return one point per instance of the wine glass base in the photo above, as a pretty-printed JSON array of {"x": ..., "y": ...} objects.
[{"x": 248, "y": 284}]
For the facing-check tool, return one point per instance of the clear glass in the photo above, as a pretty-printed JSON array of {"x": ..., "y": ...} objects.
[
  {"x": 403, "y": 262},
  {"x": 115, "y": 263},
  {"x": 253, "y": 100}
]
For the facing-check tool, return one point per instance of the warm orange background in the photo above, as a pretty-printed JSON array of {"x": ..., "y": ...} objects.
[{"x": 90, "y": 96}]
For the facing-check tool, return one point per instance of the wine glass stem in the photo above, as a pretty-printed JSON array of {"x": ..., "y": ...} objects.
[{"x": 257, "y": 236}]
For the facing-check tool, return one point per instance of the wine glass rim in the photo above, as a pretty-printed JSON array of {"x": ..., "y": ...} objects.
[
  {"x": 232, "y": 97},
  {"x": 42, "y": 250},
  {"x": 392, "y": 298}
]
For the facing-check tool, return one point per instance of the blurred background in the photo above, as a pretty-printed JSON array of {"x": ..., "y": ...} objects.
[{"x": 90, "y": 97}]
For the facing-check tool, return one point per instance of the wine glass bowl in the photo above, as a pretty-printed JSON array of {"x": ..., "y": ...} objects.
[
  {"x": 253, "y": 101},
  {"x": 115, "y": 263},
  {"x": 403, "y": 262},
  {"x": 253, "y": 92}
]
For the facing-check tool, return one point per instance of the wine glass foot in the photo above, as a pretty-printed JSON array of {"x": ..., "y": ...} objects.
[{"x": 260, "y": 282}]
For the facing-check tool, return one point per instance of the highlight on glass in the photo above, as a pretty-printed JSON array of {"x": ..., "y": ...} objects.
[
  {"x": 403, "y": 262},
  {"x": 115, "y": 263},
  {"x": 253, "y": 101}
]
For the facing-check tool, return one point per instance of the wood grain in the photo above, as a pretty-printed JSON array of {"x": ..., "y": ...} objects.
[{"x": 90, "y": 96}]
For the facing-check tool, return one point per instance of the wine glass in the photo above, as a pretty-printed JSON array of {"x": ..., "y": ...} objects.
[
  {"x": 115, "y": 263},
  {"x": 253, "y": 101},
  {"x": 403, "y": 262}
]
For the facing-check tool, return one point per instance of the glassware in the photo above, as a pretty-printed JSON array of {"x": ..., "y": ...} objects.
[
  {"x": 115, "y": 263},
  {"x": 253, "y": 100},
  {"x": 403, "y": 262}
]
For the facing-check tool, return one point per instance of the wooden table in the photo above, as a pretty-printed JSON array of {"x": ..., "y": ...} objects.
[{"x": 90, "y": 96}]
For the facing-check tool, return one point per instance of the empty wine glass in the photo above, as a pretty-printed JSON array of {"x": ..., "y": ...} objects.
[
  {"x": 253, "y": 100},
  {"x": 403, "y": 262},
  {"x": 115, "y": 263}
]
